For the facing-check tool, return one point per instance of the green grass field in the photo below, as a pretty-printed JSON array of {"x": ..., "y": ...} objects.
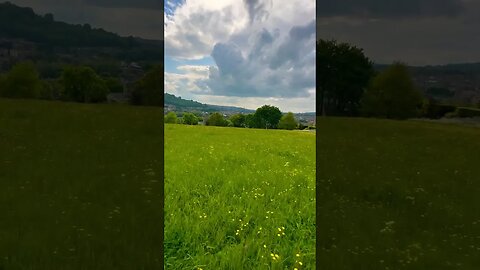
[
  {"x": 80, "y": 186},
  {"x": 398, "y": 195},
  {"x": 239, "y": 198}
]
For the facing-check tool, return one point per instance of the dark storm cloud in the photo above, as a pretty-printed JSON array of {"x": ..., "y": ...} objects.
[
  {"x": 143, "y": 4},
  {"x": 289, "y": 51},
  {"x": 257, "y": 9},
  {"x": 420, "y": 40},
  {"x": 389, "y": 8}
]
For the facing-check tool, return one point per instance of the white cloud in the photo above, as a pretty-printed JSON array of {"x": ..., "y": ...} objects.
[
  {"x": 197, "y": 25},
  {"x": 264, "y": 50},
  {"x": 185, "y": 84},
  {"x": 194, "y": 69},
  {"x": 306, "y": 104}
]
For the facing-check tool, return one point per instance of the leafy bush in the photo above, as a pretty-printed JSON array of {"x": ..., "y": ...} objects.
[
  {"x": 50, "y": 90},
  {"x": 171, "y": 118},
  {"x": 190, "y": 119},
  {"x": 216, "y": 119},
  {"x": 238, "y": 120},
  {"x": 22, "y": 81},
  {"x": 114, "y": 85},
  {"x": 82, "y": 84},
  {"x": 288, "y": 122},
  {"x": 392, "y": 94},
  {"x": 149, "y": 90}
]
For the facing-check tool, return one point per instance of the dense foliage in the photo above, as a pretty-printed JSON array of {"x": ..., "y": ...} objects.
[
  {"x": 189, "y": 119},
  {"x": 266, "y": 117},
  {"x": 82, "y": 84},
  {"x": 216, "y": 119},
  {"x": 171, "y": 118},
  {"x": 392, "y": 94},
  {"x": 288, "y": 122},
  {"x": 149, "y": 90},
  {"x": 343, "y": 73},
  {"x": 238, "y": 120},
  {"x": 22, "y": 81}
]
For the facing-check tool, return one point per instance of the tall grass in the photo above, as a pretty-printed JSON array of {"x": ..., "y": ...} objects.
[
  {"x": 80, "y": 186},
  {"x": 239, "y": 198},
  {"x": 398, "y": 195}
]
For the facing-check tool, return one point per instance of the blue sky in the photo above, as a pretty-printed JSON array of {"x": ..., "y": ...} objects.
[
  {"x": 171, "y": 63},
  {"x": 242, "y": 53},
  {"x": 171, "y": 5}
]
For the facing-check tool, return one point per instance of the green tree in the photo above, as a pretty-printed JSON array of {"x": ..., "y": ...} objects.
[
  {"x": 267, "y": 117},
  {"x": 190, "y": 119},
  {"x": 343, "y": 73},
  {"x": 22, "y": 81},
  {"x": 288, "y": 122},
  {"x": 149, "y": 89},
  {"x": 216, "y": 119},
  {"x": 82, "y": 84},
  {"x": 250, "y": 120},
  {"x": 238, "y": 120},
  {"x": 392, "y": 94},
  {"x": 114, "y": 85},
  {"x": 171, "y": 118}
]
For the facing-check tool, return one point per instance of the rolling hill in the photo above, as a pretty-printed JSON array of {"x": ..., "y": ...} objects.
[
  {"x": 179, "y": 104},
  {"x": 26, "y": 35}
]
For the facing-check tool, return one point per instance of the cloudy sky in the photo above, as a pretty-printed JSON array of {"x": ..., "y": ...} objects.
[
  {"x": 253, "y": 52},
  {"x": 419, "y": 32},
  {"x": 242, "y": 53}
]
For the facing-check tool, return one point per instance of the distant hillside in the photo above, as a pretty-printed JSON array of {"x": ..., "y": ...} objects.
[
  {"x": 452, "y": 83},
  {"x": 24, "y": 23},
  {"x": 179, "y": 104},
  {"x": 25, "y": 35}
]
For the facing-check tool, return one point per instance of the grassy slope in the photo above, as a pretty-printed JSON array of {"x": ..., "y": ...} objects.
[
  {"x": 79, "y": 189},
  {"x": 79, "y": 186},
  {"x": 398, "y": 195},
  {"x": 221, "y": 187}
]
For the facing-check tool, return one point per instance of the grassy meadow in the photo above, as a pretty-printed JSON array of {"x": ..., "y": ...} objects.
[
  {"x": 239, "y": 198},
  {"x": 80, "y": 186},
  {"x": 398, "y": 195}
]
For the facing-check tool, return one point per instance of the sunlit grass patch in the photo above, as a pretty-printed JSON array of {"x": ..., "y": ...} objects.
[{"x": 236, "y": 196}]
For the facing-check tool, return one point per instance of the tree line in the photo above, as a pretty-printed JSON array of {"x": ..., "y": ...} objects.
[
  {"x": 348, "y": 85},
  {"x": 78, "y": 84},
  {"x": 265, "y": 117},
  {"x": 23, "y": 22}
]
